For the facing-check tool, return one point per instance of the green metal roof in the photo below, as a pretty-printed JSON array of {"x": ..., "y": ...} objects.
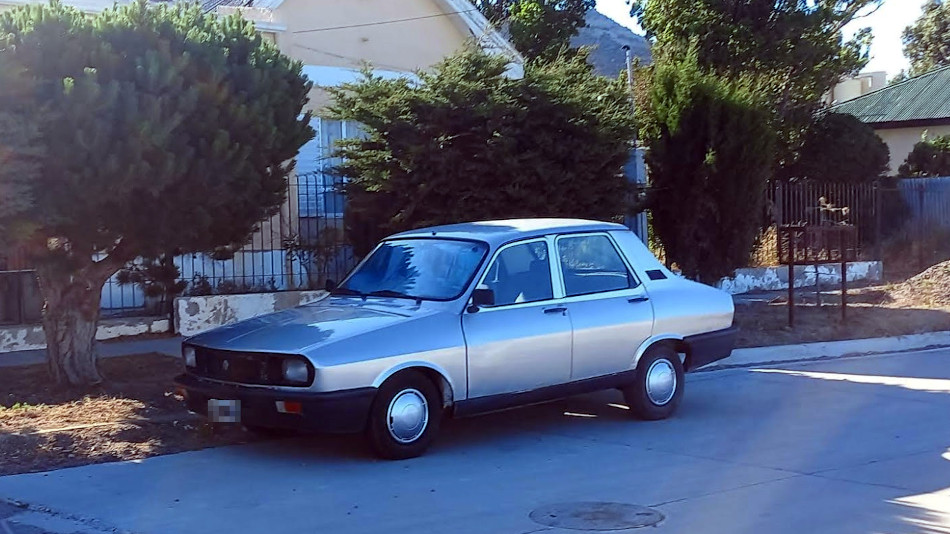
[{"x": 921, "y": 98}]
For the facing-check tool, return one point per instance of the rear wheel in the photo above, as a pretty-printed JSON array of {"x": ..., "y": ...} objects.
[
  {"x": 405, "y": 416},
  {"x": 658, "y": 387}
]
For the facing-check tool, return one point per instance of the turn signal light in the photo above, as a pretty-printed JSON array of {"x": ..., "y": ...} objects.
[{"x": 289, "y": 407}]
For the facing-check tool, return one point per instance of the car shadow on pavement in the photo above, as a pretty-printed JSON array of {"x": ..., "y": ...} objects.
[
  {"x": 869, "y": 437},
  {"x": 465, "y": 434}
]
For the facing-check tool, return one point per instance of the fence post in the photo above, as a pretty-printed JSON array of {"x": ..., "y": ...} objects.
[
  {"x": 779, "y": 196},
  {"x": 878, "y": 217},
  {"x": 922, "y": 227},
  {"x": 791, "y": 277},
  {"x": 844, "y": 290}
]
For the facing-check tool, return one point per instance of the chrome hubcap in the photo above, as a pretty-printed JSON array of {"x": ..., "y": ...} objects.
[
  {"x": 661, "y": 382},
  {"x": 408, "y": 416}
]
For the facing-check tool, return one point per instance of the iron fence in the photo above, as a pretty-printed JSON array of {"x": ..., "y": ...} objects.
[
  {"x": 304, "y": 243},
  {"x": 821, "y": 204},
  {"x": 20, "y": 300},
  {"x": 299, "y": 247}
]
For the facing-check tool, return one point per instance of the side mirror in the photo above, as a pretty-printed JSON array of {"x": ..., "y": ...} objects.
[
  {"x": 482, "y": 297},
  {"x": 330, "y": 285}
]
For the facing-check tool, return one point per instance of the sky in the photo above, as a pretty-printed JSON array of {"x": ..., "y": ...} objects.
[{"x": 886, "y": 24}]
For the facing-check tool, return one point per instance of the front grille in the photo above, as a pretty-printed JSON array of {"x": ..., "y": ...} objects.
[{"x": 252, "y": 368}]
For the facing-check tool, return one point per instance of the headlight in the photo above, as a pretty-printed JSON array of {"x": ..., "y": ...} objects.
[
  {"x": 295, "y": 371},
  {"x": 189, "y": 354}
]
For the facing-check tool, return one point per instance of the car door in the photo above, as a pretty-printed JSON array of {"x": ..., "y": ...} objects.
[
  {"x": 523, "y": 341},
  {"x": 609, "y": 308}
]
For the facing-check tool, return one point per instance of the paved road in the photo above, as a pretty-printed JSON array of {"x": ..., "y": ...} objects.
[{"x": 847, "y": 446}]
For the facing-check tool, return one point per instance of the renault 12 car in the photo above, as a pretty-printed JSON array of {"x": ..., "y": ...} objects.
[{"x": 460, "y": 320}]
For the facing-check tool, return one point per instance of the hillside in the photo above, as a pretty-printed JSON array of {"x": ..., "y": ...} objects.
[{"x": 607, "y": 38}]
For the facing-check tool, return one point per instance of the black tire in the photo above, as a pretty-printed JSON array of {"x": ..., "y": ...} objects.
[
  {"x": 637, "y": 395},
  {"x": 378, "y": 433}
]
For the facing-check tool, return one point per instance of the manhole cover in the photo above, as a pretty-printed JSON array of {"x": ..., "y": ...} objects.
[{"x": 596, "y": 516}]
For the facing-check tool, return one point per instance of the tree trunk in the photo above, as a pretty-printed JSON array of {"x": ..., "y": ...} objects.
[{"x": 70, "y": 319}]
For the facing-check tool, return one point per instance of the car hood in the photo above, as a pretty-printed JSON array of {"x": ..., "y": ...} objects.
[{"x": 307, "y": 327}]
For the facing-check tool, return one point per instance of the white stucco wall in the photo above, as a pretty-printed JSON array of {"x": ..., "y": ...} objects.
[
  {"x": 30, "y": 337},
  {"x": 776, "y": 278},
  {"x": 194, "y": 315},
  {"x": 900, "y": 141}
]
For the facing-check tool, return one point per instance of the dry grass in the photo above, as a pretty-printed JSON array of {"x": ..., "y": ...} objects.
[
  {"x": 134, "y": 415},
  {"x": 912, "y": 307},
  {"x": 765, "y": 251}
]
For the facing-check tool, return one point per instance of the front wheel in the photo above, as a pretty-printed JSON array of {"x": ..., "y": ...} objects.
[
  {"x": 658, "y": 387},
  {"x": 405, "y": 416}
]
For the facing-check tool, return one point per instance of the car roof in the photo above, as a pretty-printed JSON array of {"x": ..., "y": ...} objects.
[{"x": 503, "y": 231}]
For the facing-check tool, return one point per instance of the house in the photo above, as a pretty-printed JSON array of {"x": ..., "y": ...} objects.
[
  {"x": 333, "y": 39},
  {"x": 903, "y": 113},
  {"x": 854, "y": 86}
]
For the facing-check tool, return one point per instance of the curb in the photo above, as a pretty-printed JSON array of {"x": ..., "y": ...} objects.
[
  {"x": 41, "y": 519},
  {"x": 829, "y": 350}
]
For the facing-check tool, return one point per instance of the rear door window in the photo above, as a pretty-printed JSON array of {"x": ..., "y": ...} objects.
[{"x": 592, "y": 264}]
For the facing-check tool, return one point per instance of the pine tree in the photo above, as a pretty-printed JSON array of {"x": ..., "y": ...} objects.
[
  {"x": 710, "y": 148},
  {"x": 166, "y": 128}
]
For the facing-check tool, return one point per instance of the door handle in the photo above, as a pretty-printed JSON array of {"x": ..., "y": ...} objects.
[
  {"x": 635, "y": 300},
  {"x": 555, "y": 310}
]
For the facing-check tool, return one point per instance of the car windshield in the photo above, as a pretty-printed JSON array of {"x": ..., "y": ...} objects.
[{"x": 429, "y": 269}]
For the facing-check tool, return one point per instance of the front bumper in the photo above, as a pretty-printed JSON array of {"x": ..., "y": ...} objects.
[
  {"x": 338, "y": 412},
  {"x": 709, "y": 347}
]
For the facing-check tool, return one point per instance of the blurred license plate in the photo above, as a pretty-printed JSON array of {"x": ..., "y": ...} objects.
[{"x": 224, "y": 411}]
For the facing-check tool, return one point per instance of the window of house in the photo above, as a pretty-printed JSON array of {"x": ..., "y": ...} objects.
[{"x": 319, "y": 190}]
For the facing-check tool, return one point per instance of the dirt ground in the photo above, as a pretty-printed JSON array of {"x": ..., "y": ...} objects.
[
  {"x": 135, "y": 415},
  {"x": 875, "y": 311}
]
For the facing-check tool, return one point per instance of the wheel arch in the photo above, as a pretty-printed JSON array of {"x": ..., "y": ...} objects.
[
  {"x": 433, "y": 372},
  {"x": 676, "y": 341}
]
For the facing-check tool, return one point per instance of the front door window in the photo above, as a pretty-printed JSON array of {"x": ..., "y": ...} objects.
[{"x": 520, "y": 273}]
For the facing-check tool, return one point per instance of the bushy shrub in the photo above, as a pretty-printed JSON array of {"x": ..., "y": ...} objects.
[
  {"x": 467, "y": 142},
  {"x": 710, "y": 151},
  {"x": 839, "y": 148},
  {"x": 929, "y": 158}
]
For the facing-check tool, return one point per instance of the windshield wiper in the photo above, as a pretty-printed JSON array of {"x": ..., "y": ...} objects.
[
  {"x": 347, "y": 291},
  {"x": 391, "y": 293}
]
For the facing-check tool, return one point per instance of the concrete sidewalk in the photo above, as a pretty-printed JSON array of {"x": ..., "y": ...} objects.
[
  {"x": 826, "y": 350},
  {"x": 162, "y": 345}
]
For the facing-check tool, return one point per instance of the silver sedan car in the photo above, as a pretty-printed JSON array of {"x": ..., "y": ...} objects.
[{"x": 460, "y": 320}]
